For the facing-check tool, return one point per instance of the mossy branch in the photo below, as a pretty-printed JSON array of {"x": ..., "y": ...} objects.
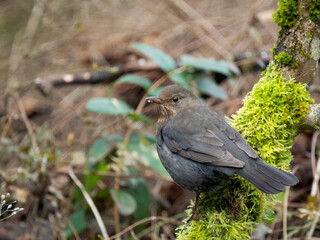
[
  {"x": 297, "y": 50},
  {"x": 269, "y": 120},
  {"x": 312, "y": 120}
]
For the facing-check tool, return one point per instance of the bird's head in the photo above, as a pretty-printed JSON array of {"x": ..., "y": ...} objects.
[{"x": 172, "y": 100}]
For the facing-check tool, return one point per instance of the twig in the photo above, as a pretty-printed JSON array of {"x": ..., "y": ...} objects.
[
  {"x": 204, "y": 23},
  {"x": 142, "y": 103},
  {"x": 315, "y": 173},
  {"x": 90, "y": 203},
  {"x": 28, "y": 126},
  {"x": 73, "y": 230},
  {"x": 154, "y": 86},
  {"x": 147, "y": 175},
  {"x": 152, "y": 218},
  {"x": 7, "y": 126},
  {"x": 116, "y": 214},
  {"x": 23, "y": 40},
  {"x": 195, "y": 30},
  {"x": 125, "y": 142},
  {"x": 285, "y": 208},
  {"x": 315, "y": 186}
]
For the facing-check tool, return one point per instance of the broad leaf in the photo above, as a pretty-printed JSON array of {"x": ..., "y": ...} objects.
[
  {"x": 139, "y": 189},
  {"x": 125, "y": 202},
  {"x": 78, "y": 221},
  {"x": 134, "y": 79},
  {"x": 207, "y": 86},
  {"x": 91, "y": 181},
  {"x": 102, "y": 147},
  {"x": 181, "y": 78},
  {"x": 145, "y": 146},
  {"x": 208, "y": 64},
  {"x": 155, "y": 92},
  {"x": 151, "y": 159},
  {"x": 140, "y": 117},
  {"x": 109, "y": 106},
  {"x": 165, "y": 62}
]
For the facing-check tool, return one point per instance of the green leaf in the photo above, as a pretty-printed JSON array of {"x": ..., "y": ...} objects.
[
  {"x": 140, "y": 117},
  {"x": 207, "y": 86},
  {"x": 91, "y": 181},
  {"x": 134, "y": 79},
  {"x": 78, "y": 220},
  {"x": 102, "y": 147},
  {"x": 208, "y": 64},
  {"x": 156, "y": 92},
  {"x": 280, "y": 197},
  {"x": 270, "y": 216},
  {"x": 125, "y": 202},
  {"x": 150, "y": 158},
  {"x": 98, "y": 150},
  {"x": 145, "y": 146},
  {"x": 109, "y": 106},
  {"x": 181, "y": 78},
  {"x": 165, "y": 62},
  {"x": 139, "y": 189}
]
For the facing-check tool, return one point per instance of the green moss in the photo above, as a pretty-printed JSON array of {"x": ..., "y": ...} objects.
[
  {"x": 286, "y": 59},
  {"x": 286, "y": 14},
  {"x": 314, "y": 10},
  {"x": 309, "y": 35},
  {"x": 267, "y": 121},
  {"x": 278, "y": 105}
]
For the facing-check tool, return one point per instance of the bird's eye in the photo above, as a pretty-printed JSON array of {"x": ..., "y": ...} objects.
[{"x": 175, "y": 99}]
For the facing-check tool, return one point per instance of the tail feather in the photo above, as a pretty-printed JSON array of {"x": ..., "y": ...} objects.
[{"x": 267, "y": 178}]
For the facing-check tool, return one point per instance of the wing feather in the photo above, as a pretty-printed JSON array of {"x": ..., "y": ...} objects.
[
  {"x": 206, "y": 148},
  {"x": 236, "y": 137}
]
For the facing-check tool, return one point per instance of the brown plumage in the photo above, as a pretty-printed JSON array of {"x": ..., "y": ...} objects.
[{"x": 200, "y": 150}]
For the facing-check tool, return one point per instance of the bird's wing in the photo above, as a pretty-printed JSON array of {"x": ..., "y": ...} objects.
[
  {"x": 236, "y": 137},
  {"x": 204, "y": 147}
]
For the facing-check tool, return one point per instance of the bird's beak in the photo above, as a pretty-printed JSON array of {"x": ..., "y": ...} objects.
[{"x": 154, "y": 99}]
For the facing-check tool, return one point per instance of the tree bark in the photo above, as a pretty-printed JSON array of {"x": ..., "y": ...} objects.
[{"x": 301, "y": 42}]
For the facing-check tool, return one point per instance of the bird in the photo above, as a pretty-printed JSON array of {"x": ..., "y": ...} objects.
[{"x": 200, "y": 150}]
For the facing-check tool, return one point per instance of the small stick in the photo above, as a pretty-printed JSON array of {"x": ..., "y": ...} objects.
[
  {"x": 285, "y": 208},
  {"x": 29, "y": 127},
  {"x": 152, "y": 218},
  {"x": 90, "y": 203},
  {"x": 315, "y": 186}
]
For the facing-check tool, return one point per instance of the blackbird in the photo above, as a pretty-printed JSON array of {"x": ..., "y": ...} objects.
[{"x": 200, "y": 150}]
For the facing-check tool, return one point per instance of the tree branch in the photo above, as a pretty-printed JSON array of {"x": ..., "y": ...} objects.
[
  {"x": 297, "y": 50},
  {"x": 312, "y": 120}
]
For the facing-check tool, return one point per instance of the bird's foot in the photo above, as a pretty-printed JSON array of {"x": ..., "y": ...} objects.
[{"x": 194, "y": 216}]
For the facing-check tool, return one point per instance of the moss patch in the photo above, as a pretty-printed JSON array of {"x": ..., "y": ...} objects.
[
  {"x": 286, "y": 59},
  {"x": 287, "y": 13},
  {"x": 269, "y": 116},
  {"x": 267, "y": 121},
  {"x": 314, "y": 10}
]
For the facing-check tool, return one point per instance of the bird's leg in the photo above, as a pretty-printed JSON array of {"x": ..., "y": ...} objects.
[{"x": 194, "y": 209}]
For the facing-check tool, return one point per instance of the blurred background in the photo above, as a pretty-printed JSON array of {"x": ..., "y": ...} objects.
[{"x": 60, "y": 61}]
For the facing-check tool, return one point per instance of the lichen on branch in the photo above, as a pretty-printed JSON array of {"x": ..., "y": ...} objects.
[
  {"x": 268, "y": 121},
  {"x": 297, "y": 48}
]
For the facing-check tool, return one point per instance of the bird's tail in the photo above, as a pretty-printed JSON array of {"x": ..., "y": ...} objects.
[{"x": 267, "y": 178}]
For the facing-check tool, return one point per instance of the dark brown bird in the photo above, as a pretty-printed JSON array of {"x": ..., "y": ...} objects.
[{"x": 200, "y": 150}]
